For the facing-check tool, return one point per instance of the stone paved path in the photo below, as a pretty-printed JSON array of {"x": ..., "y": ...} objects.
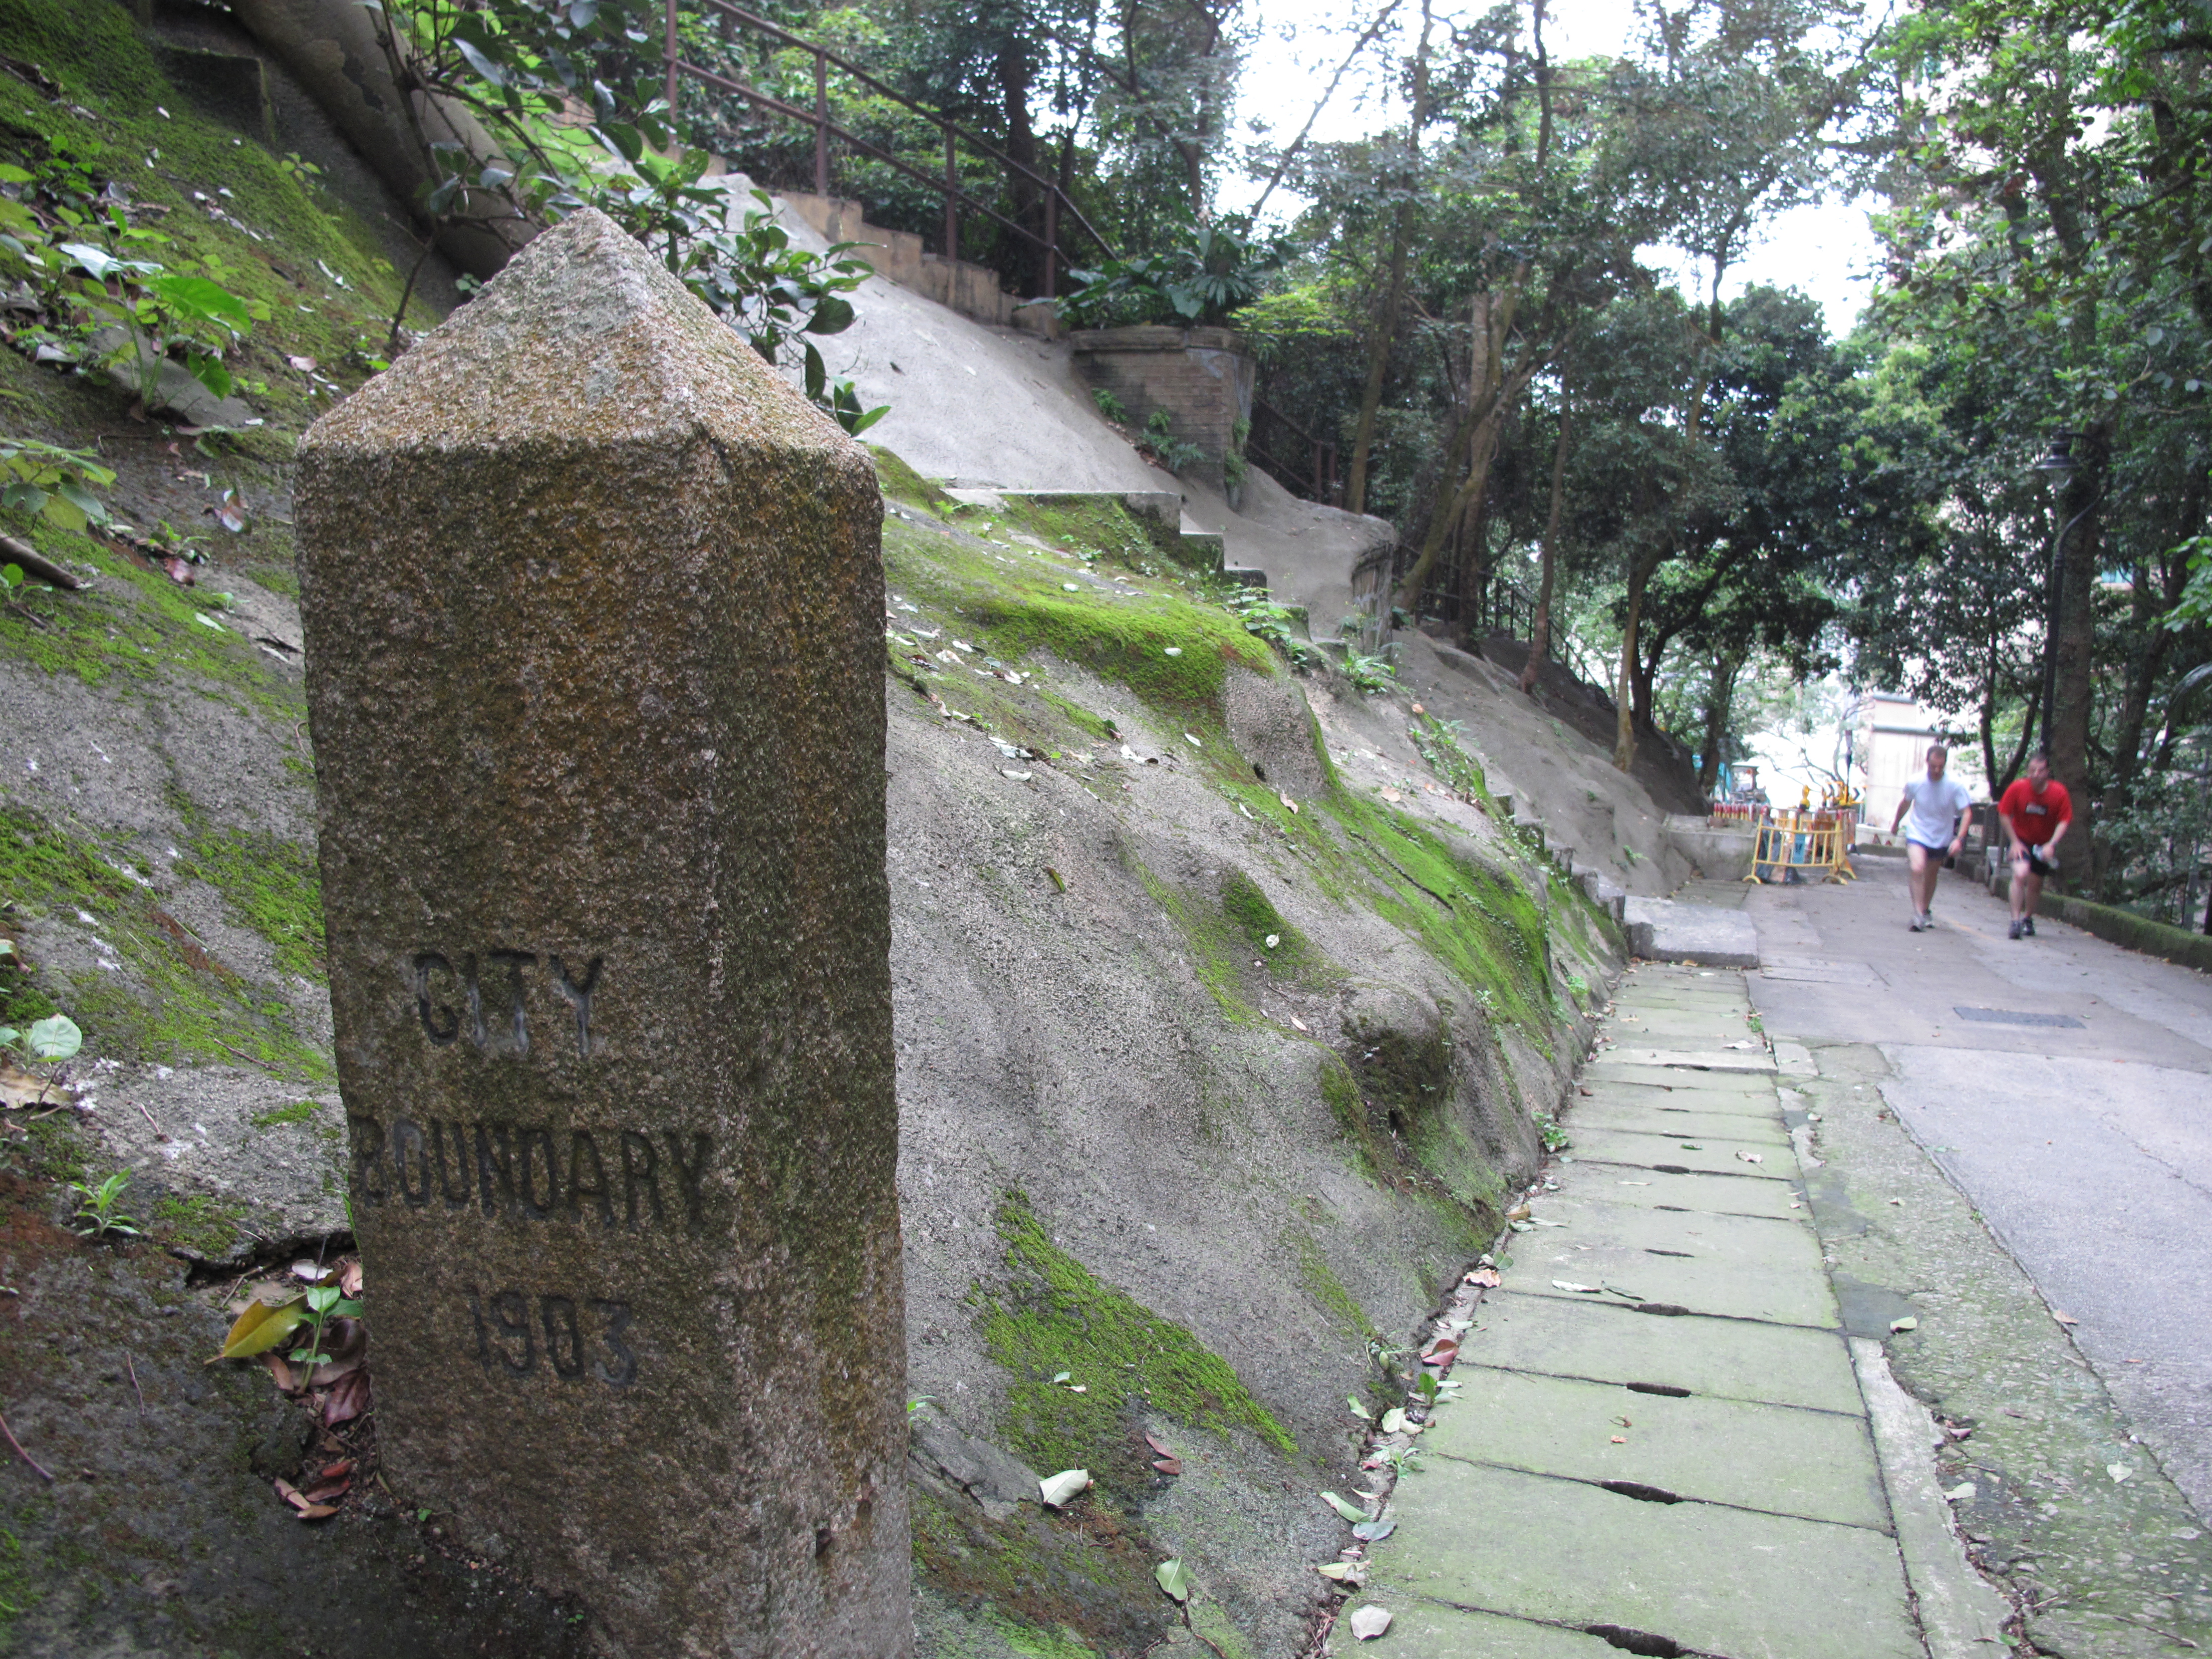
[{"x": 1662, "y": 1444}]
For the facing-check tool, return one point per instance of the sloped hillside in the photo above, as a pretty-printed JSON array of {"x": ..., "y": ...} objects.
[{"x": 1229, "y": 1010}]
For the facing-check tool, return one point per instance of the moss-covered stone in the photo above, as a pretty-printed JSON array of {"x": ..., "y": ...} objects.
[
  {"x": 1050, "y": 1317},
  {"x": 272, "y": 885},
  {"x": 199, "y": 1222},
  {"x": 174, "y": 1002}
]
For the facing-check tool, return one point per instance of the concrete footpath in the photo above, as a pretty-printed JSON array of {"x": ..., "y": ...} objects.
[
  {"x": 2010, "y": 1143},
  {"x": 1665, "y": 1440}
]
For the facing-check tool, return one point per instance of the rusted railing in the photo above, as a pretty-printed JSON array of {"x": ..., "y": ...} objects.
[
  {"x": 1267, "y": 446},
  {"x": 1056, "y": 201}
]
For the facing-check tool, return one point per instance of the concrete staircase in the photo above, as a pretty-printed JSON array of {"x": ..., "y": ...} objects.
[{"x": 896, "y": 256}]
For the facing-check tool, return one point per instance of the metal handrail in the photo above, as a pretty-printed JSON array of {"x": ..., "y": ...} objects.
[{"x": 1056, "y": 198}]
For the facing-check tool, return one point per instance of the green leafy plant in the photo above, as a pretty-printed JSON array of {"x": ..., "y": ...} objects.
[
  {"x": 1110, "y": 406},
  {"x": 97, "y": 1215},
  {"x": 1234, "y": 469},
  {"x": 324, "y": 1303},
  {"x": 1201, "y": 279},
  {"x": 1555, "y": 1138},
  {"x": 1271, "y": 622},
  {"x": 45, "y": 481},
  {"x": 51, "y": 1040},
  {"x": 1369, "y": 674}
]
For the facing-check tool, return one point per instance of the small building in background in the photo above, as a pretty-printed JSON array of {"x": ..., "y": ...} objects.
[{"x": 1892, "y": 735}]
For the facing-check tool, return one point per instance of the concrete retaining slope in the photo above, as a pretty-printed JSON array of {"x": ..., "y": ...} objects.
[{"x": 1663, "y": 930}]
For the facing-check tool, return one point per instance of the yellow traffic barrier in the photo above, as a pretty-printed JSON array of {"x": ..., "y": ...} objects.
[{"x": 1805, "y": 840}]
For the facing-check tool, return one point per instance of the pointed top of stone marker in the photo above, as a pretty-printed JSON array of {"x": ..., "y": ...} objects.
[{"x": 584, "y": 339}]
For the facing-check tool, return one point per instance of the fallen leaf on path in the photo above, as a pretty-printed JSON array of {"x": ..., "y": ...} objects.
[
  {"x": 1753, "y": 1158},
  {"x": 2118, "y": 1471},
  {"x": 290, "y": 1494},
  {"x": 1963, "y": 1492},
  {"x": 1905, "y": 1324},
  {"x": 317, "y": 1511},
  {"x": 2064, "y": 1319},
  {"x": 1374, "y": 1532},
  {"x": 1620, "y": 1439},
  {"x": 1394, "y": 1420},
  {"x": 1349, "y": 1512},
  {"x": 1296, "y": 1021},
  {"x": 1369, "y": 1622},
  {"x": 1174, "y": 1577},
  {"x": 1359, "y": 1410},
  {"x": 1579, "y": 1290},
  {"x": 1485, "y": 1277},
  {"x": 1168, "y": 1465},
  {"x": 1157, "y": 1446}
]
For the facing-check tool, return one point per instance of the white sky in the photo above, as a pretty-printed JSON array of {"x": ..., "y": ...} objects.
[{"x": 1827, "y": 251}]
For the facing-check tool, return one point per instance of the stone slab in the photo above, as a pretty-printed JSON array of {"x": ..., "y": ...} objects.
[
  {"x": 1711, "y": 1579},
  {"x": 1753, "y": 1058},
  {"x": 1707, "y": 1154},
  {"x": 1437, "y": 1629},
  {"x": 1604, "y": 1342},
  {"x": 1716, "y": 1194},
  {"x": 1662, "y": 930},
  {"x": 1608, "y": 1069},
  {"x": 1681, "y": 1121},
  {"x": 1737, "y": 1266},
  {"x": 1781, "y": 1459},
  {"x": 1758, "y": 1102}
]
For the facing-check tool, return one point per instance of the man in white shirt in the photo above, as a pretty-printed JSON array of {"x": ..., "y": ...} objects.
[{"x": 1933, "y": 814}]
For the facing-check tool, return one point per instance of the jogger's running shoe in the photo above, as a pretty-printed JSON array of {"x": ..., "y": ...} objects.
[
  {"x": 2017, "y": 926},
  {"x": 2028, "y": 926}
]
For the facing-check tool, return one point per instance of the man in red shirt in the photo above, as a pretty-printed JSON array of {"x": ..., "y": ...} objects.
[{"x": 2036, "y": 813}]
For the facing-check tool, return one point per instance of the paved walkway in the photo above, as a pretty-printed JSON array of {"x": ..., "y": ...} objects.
[
  {"x": 2063, "y": 1085},
  {"x": 1665, "y": 1441}
]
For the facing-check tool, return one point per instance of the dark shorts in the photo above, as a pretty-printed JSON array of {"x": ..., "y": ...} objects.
[
  {"x": 2036, "y": 866},
  {"x": 1941, "y": 850}
]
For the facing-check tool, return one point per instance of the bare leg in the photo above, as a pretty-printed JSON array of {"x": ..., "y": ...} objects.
[
  {"x": 2029, "y": 886},
  {"x": 1920, "y": 877}
]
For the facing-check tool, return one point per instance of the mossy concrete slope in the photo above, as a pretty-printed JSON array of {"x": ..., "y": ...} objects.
[{"x": 1217, "y": 1061}]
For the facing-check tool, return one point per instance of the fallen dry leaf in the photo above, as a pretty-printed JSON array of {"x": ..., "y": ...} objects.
[
  {"x": 350, "y": 1278},
  {"x": 349, "y": 1399},
  {"x": 329, "y": 1492},
  {"x": 1485, "y": 1277},
  {"x": 2064, "y": 1319},
  {"x": 317, "y": 1511},
  {"x": 1300, "y": 1023},
  {"x": 1159, "y": 1446},
  {"x": 290, "y": 1494},
  {"x": 1620, "y": 1439},
  {"x": 1369, "y": 1622},
  {"x": 18, "y": 1088},
  {"x": 1168, "y": 1465}
]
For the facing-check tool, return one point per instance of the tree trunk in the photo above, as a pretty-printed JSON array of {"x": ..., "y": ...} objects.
[
  {"x": 1014, "y": 75},
  {"x": 1720, "y": 698},
  {"x": 1624, "y": 730},
  {"x": 2069, "y": 735},
  {"x": 1539, "y": 632},
  {"x": 1402, "y": 220}
]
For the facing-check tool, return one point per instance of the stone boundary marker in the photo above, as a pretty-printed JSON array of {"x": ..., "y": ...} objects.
[{"x": 593, "y": 606}]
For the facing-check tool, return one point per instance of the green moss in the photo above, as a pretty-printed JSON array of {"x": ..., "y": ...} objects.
[
  {"x": 1079, "y": 1583},
  {"x": 273, "y": 885},
  {"x": 1094, "y": 526},
  {"x": 900, "y": 483},
  {"x": 1480, "y": 923},
  {"x": 298, "y": 1112},
  {"x": 173, "y": 1002},
  {"x": 19, "y": 1586},
  {"x": 1016, "y": 607},
  {"x": 136, "y": 625},
  {"x": 276, "y": 578},
  {"x": 1051, "y": 1316},
  {"x": 1322, "y": 1284},
  {"x": 204, "y": 1226},
  {"x": 1292, "y": 955}
]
